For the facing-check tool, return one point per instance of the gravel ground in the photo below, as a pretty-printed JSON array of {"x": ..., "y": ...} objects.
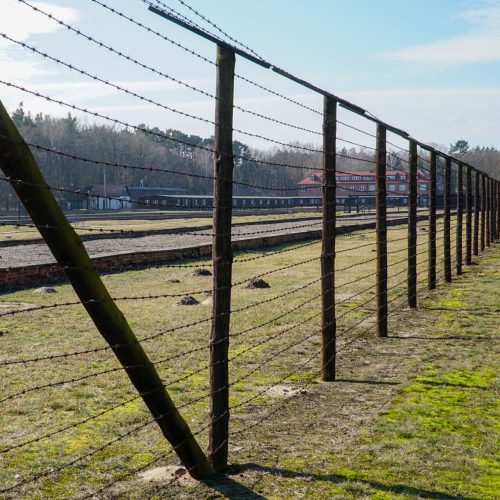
[{"x": 22, "y": 255}]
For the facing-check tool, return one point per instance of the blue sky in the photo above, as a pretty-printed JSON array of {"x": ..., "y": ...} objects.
[{"x": 429, "y": 67}]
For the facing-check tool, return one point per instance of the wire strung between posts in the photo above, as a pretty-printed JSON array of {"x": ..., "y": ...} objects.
[
  {"x": 241, "y": 77},
  {"x": 160, "y": 73},
  {"x": 152, "y": 101},
  {"x": 160, "y": 134},
  {"x": 240, "y": 404},
  {"x": 220, "y": 30},
  {"x": 88, "y": 351},
  {"x": 163, "y": 295},
  {"x": 273, "y": 412}
]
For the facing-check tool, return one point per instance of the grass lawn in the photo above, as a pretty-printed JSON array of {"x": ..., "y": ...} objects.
[{"x": 413, "y": 411}]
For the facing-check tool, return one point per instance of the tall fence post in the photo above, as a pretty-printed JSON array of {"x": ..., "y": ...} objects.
[
  {"x": 18, "y": 164},
  {"x": 329, "y": 327},
  {"x": 222, "y": 258},
  {"x": 412, "y": 227},
  {"x": 483, "y": 212},
  {"x": 477, "y": 211},
  {"x": 495, "y": 208},
  {"x": 431, "y": 282},
  {"x": 498, "y": 210},
  {"x": 447, "y": 212},
  {"x": 468, "y": 218},
  {"x": 381, "y": 229},
  {"x": 488, "y": 211},
  {"x": 460, "y": 215}
]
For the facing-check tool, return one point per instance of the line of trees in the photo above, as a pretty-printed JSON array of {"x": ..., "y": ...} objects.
[{"x": 155, "y": 149}]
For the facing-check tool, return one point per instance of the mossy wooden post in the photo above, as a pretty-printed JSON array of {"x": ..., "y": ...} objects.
[
  {"x": 460, "y": 215},
  {"x": 329, "y": 327},
  {"x": 412, "y": 227},
  {"x": 381, "y": 229},
  {"x": 447, "y": 217},
  {"x": 477, "y": 211},
  {"x": 222, "y": 258},
  {"x": 468, "y": 218},
  {"x": 20, "y": 167},
  {"x": 483, "y": 212},
  {"x": 431, "y": 282}
]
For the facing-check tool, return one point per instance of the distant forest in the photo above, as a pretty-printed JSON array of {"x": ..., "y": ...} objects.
[{"x": 153, "y": 148}]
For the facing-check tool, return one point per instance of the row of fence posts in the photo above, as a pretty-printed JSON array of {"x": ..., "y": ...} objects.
[
  {"x": 482, "y": 224},
  {"x": 482, "y": 204}
]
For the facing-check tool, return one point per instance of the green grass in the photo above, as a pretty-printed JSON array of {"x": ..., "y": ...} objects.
[{"x": 310, "y": 447}]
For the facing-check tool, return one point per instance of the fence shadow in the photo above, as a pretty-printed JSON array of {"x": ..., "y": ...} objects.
[
  {"x": 230, "y": 488},
  {"x": 370, "y": 382},
  {"x": 331, "y": 478}
]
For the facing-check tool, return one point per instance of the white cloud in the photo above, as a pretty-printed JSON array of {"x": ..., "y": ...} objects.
[
  {"x": 481, "y": 42},
  {"x": 20, "y": 23}
]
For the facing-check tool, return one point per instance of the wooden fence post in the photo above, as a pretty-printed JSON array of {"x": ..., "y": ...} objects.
[
  {"x": 222, "y": 258},
  {"x": 488, "y": 211},
  {"x": 431, "y": 282},
  {"x": 460, "y": 214},
  {"x": 495, "y": 208},
  {"x": 19, "y": 166},
  {"x": 447, "y": 236},
  {"x": 381, "y": 229},
  {"x": 497, "y": 222},
  {"x": 483, "y": 212},
  {"x": 412, "y": 227},
  {"x": 329, "y": 327},
  {"x": 477, "y": 210},
  {"x": 468, "y": 218}
]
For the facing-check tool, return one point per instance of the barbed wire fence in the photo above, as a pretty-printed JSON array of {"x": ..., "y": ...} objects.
[{"x": 334, "y": 295}]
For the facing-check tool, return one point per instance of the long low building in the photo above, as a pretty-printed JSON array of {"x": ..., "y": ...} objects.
[{"x": 361, "y": 184}]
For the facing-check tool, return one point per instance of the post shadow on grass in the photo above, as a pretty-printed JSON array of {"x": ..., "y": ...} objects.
[
  {"x": 331, "y": 478},
  {"x": 230, "y": 488},
  {"x": 445, "y": 337}
]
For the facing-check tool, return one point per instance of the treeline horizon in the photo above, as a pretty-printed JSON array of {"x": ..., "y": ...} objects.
[{"x": 153, "y": 148}]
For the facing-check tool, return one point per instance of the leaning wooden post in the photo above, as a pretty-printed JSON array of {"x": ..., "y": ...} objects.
[
  {"x": 412, "y": 227},
  {"x": 447, "y": 213},
  {"x": 477, "y": 210},
  {"x": 431, "y": 282},
  {"x": 488, "y": 211},
  {"x": 460, "y": 215},
  {"x": 25, "y": 177},
  {"x": 222, "y": 258},
  {"x": 381, "y": 229},
  {"x": 329, "y": 327},
  {"x": 483, "y": 212},
  {"x": 468, "y": 218}
]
